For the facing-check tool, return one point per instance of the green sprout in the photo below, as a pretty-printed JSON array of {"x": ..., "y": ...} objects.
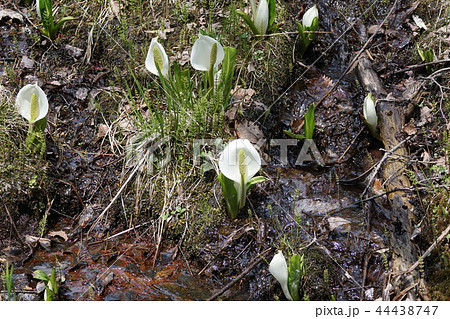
[
  {"x": 7, "y": 278},
  {"x": 309, "y": 126},
  {"x": 263, "y": 17},
  {"x": 50, "y": 282},
  {"x": 308, "y": 27},
  {"x": 44, "y": 10},
  {"x": 427, "y": 57}
]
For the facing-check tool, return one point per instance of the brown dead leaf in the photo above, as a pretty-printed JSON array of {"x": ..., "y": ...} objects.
[
  {"x": 102, "y": 131},
  {"x": 425, "y": 115},
  {"x": 378, "y": 186},
  {"x": 33, "y": 241},
  {"x": 242, "y": 94},
  {"x": 412, "y": 88},
  {"x": 230, "y": 115},
  {"x": 336, "y": 222},
  {"x": 250, "y": 131},
  {"x": 296, "y": 125},
  {"x": 59, "y": 233},
  {"x": 114, "y": 8},
  {"x": 410, "y": 128}
]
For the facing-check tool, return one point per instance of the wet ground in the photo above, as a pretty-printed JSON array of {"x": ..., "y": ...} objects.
[{"x": 304, "y": 208}]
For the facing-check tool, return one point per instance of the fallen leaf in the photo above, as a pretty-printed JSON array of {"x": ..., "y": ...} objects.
[
  {"x": 419, "y": 22},
  {"x": 336, "y": 222},
  {"x": 6, "y": 14},
  {"x": 26, "y": 62},
  {"x": 412, "y": 88},
  {"x": 102, "y": 131},
  {"x": 425, "y": 115},
  {"x": 378, "y": 187},
  {"x": 33, "y": 240},
  {"x": 59, "y": 233},
  {"x": 410, "y": 128},
  {"x": 115, "y": 8},
  {"x": 250, "y": 131}
]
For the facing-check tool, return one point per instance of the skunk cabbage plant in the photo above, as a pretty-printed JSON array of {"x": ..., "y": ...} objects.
[
  {"x": 157, "y": 60},
  {"x": 207, "y": 53},
  {"x": 370, "y": 113},
  {"x": 289, "y": 277},
  {"x": 32, "y": 103},
  {"x": 44, "y": 9},
  {"x": 306, "y": 29},
  {"x": 310, "y": 19},
  {"x": 238, "y": 164},
  {"x": 278, "y": 268},
  {"x": 263, "y": 16}
]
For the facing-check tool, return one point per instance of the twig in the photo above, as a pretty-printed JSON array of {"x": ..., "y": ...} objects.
[
  {"x": 118, "y": 234},
  {"x": 252, "y": 265},
  {"x": 118, "y": 194},
  {"x": 378, "y": 166},
  {"x": 419, "y": 66},
  {"x": 351, "y": 143},
  {"x": 428, "y": 251},
  {"x": 14, "y": 225}
]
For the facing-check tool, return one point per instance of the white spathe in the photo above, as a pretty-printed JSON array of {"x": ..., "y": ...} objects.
[
  {"x": 261, "y": 16},
  {"x": 229, "y": 164},
  {"x": 150, "y": 62},
  {"x": 38, "y": 10},
  {"x": 278, "y": 268},
  {"x": 201, "y": 52},
  {"x": 369, "y": 111},
  {"x": 309, "y": 16},
  {"x": 23, "y": 102}
]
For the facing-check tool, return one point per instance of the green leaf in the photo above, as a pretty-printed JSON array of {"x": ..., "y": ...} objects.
[
  {"x": 54, "y": 282},
  {"x": 310, "y": 122},
  {"x": 40, "y": 275},
  {"x": 227, "y": 74},
  {"x": 230, "y": 194},
  {"x": 429, "y": 55},
  {"x": 421, "y": 54},
  {"x": 296, "y": 271},
  {"x": 256, "y": 180},
  {"x": 297, "y": 136},
  {"x": 272, "y": 12},
  {"x": 249, "y": 21}
]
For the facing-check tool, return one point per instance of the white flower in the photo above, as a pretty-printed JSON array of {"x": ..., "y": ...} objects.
[
  {"x": 261, "y": 16},
  {"x": 369, "y": 111},
  {"x": 202, "y": 53},
  {"x": 278, "y": 268},
  {"x": 38, "y": 10},
  {"x": 32, "y": 103},
  {"x": 157, "y": 56},
  {"x": 239, "y": 162},
  {"x": 309, "y": 16}
]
